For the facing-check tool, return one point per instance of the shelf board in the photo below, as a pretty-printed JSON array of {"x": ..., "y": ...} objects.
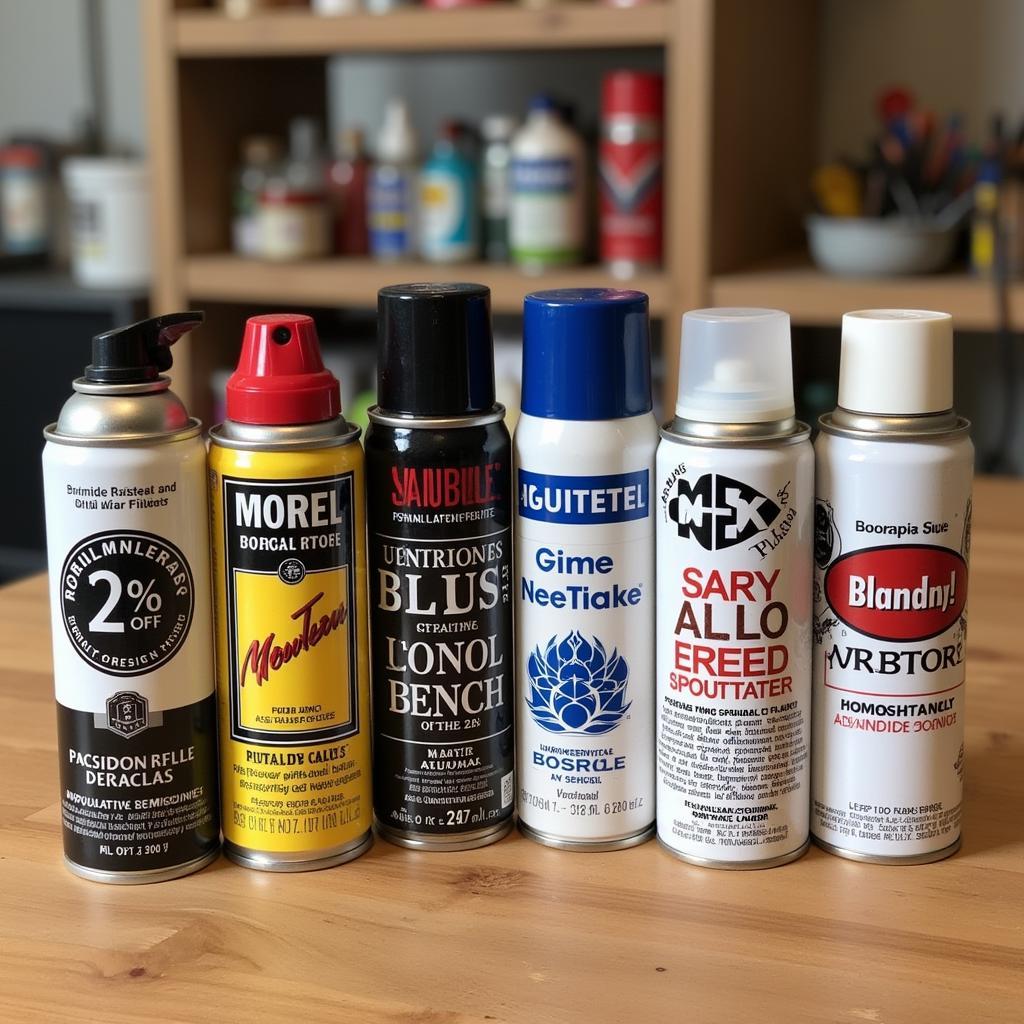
[
  {"x": 284, "y": 33},
  {"x": 355, "y": 282},
  {"x": 813, "y": 297}
]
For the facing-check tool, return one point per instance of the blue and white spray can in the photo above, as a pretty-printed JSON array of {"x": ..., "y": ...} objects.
[
  {"x": 584, "y": 448},
  {"x": 391, "y": 197}
]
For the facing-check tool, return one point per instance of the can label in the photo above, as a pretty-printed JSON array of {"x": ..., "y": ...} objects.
[
  {"x": 136, "y": 713},
  {"x": 546, "y": 210},
  {"x": 441, "y": 601},
  {"x": 389, "y": 211},
  {"x": 892, "y": 541},
  {"x": 585, "y": 615},
  {"x": 734, "y": 650},
  {"x": 631, "y": 200},
  {"x": 294, "y": 757}
]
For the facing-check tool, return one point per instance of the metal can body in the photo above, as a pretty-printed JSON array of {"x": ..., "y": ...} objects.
[
  {"x": 127, "y": 533},
  {"x": 585, "y": 606},
  {"x": 289, "y": 569},
  {"x": 734, "y": 531},
  {"x": 891, "y": 548},
  {"x": 440, "y": 536},
  {"x": 631, "y": 161}
]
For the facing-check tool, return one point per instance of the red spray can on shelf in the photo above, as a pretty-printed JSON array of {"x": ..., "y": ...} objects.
[{"x": 631, "y": 160}]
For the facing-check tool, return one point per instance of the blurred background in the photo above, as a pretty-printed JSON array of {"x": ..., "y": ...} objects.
[{"x": 242, "y": 156}]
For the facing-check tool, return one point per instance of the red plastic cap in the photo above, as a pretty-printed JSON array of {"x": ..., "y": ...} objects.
[
  {"x": 281, "y": 378},
  {"x": 632, "y": 92}
]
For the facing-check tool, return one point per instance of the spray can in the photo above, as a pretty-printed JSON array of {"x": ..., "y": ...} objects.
[
  {"x": 630, "y": 166},
  {"x": 892, "y": 540},
  {"x": 546, "y": 191},
  {"x": 449, "y": 202},
  {"x": 439, "y": 469},
  {"x": 391, "y": 198},
  {"x": 735, "y": 525},
  {"x": 289, "y": 571},
  {"x": 584, "y": 449},
  {"x": 124, "y": 472}
]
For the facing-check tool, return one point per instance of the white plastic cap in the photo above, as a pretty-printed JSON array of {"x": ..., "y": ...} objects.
[
  {"x": 396, "y": 142},
  {"x": 735, "y": 366},
  {"x": 896, "y": 362}
]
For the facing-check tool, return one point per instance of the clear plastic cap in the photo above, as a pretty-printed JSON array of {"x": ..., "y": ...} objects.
[
  {"x": 896, "y": 362},
  {"x": 735, "y": 366}
]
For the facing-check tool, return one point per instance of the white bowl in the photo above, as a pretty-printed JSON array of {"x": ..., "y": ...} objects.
[{"x": 876, "y": 246}]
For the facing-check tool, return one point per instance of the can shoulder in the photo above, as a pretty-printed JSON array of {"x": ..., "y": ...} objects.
[{"x": 580, "y": 443}]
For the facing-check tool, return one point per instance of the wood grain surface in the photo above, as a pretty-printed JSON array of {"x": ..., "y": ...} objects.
[{"x": 520, "y": 933}]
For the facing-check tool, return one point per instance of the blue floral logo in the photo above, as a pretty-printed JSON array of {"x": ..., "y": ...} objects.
[{"x": 576, "y": 686}]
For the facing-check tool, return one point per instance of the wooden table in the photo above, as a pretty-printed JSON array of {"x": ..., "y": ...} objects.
[{"x": 521, "y": 933}]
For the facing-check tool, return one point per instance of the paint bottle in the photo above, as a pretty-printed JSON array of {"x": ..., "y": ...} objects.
[
  {"x": 439, "y": 471},
  {"x": 289, "y": 572},
  {"x": 546, "y": 191},
  {"x": 584, "y": 450},
  {"x": 892, "y": 539},
  {"x": 124, "y": 473},
  {"x": 391, "y": 200},
  {"x": 449, "y": 202},
  {"x": 735, "y": 527},
  {"x": 348, "y": 178},
  {"x": 630, "y": 168},
  {"x": 294, "y": 223},
  {"x": 497, "y": 131},
  {"x": 260, "y": 153}
]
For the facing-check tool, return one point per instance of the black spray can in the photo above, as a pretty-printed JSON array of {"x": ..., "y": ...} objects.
[{"x": 439, "y": 477}]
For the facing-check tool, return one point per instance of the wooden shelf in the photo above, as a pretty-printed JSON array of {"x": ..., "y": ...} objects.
[
  {"x": 354, "y": 282},
  {"x": 293, "y": 33},
  {"x": 812, "y": 297}
]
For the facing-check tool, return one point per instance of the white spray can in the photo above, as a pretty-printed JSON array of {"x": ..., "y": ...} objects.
[
  {"x": 893, "y": 528},
  {"x": 584, "y": 449},
  {"x": 127, "y": 529},
  {"x": 734, "y": 530}
]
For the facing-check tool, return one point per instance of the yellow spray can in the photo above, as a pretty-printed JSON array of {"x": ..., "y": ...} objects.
[{"x": 289, "y": 570}]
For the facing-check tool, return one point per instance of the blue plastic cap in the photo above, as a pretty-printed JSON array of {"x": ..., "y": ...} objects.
[
  {"x": 542, "y": 101},
  {"x": 586, "y": 354}
]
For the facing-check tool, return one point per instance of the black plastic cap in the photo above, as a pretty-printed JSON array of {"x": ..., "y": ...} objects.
[
  {"x": 435, "y": 350},
  {"x": 139, "y": 352}
]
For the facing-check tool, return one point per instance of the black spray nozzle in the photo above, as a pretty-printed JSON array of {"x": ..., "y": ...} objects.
[{"x": 139, "y": 352}]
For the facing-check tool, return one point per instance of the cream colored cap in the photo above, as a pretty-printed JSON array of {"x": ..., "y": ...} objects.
[{"x": 896, "y": 362}]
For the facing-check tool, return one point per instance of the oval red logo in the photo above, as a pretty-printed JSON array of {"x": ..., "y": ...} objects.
[{"x": 899, "y": 592}]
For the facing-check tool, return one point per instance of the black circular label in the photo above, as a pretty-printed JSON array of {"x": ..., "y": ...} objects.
[
  {"x": 127, "y": 599},
  {"x": 291, "y": 571}
]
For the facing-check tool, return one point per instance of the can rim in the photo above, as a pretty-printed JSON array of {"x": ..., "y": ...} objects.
[
  {"x": 388, "y": 419},
  {"x": 193, "y": 429},
  {"x": 728, "y": 435}
]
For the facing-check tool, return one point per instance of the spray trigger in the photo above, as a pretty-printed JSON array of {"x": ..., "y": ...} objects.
[{"x": 139, "y": 352}]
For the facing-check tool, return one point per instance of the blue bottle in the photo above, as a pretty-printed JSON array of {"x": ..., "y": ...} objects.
[{"x": 449, "y": 202}]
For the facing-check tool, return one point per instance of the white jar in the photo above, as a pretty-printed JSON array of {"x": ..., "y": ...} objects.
[{"x": 110, "y": 221}]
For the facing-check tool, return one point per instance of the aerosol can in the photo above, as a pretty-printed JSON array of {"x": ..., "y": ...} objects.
[
  {"x": 124, "y": 472},
  {"x": 584, "y": 449},
  {"x": 289, "y": 572},
  {"x": 439, "y": 473},
  {"x": 735, "y": 524},
  {"x": 892, "y": 540}
]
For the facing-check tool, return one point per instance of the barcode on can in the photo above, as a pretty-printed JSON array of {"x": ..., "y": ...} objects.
[{"x": 506, "y": 790}]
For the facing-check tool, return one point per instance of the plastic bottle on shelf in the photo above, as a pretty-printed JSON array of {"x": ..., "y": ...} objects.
[
  {"x": 449, "y": 201},
  {"x": 260, "y": 153},
  {"x": 347, "y": 184},
  {"x": 547, "y": 189},
  {"x": 497, "y": 131},
  {"x": 24, "y": 200},
  {"x": 391, "y": 197},
  {"x": 293, "y": 217}
]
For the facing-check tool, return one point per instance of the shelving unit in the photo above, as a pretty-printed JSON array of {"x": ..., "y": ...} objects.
[
  {"x": 813, "y": 297},
  {"x": 211, "y": 80}
]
